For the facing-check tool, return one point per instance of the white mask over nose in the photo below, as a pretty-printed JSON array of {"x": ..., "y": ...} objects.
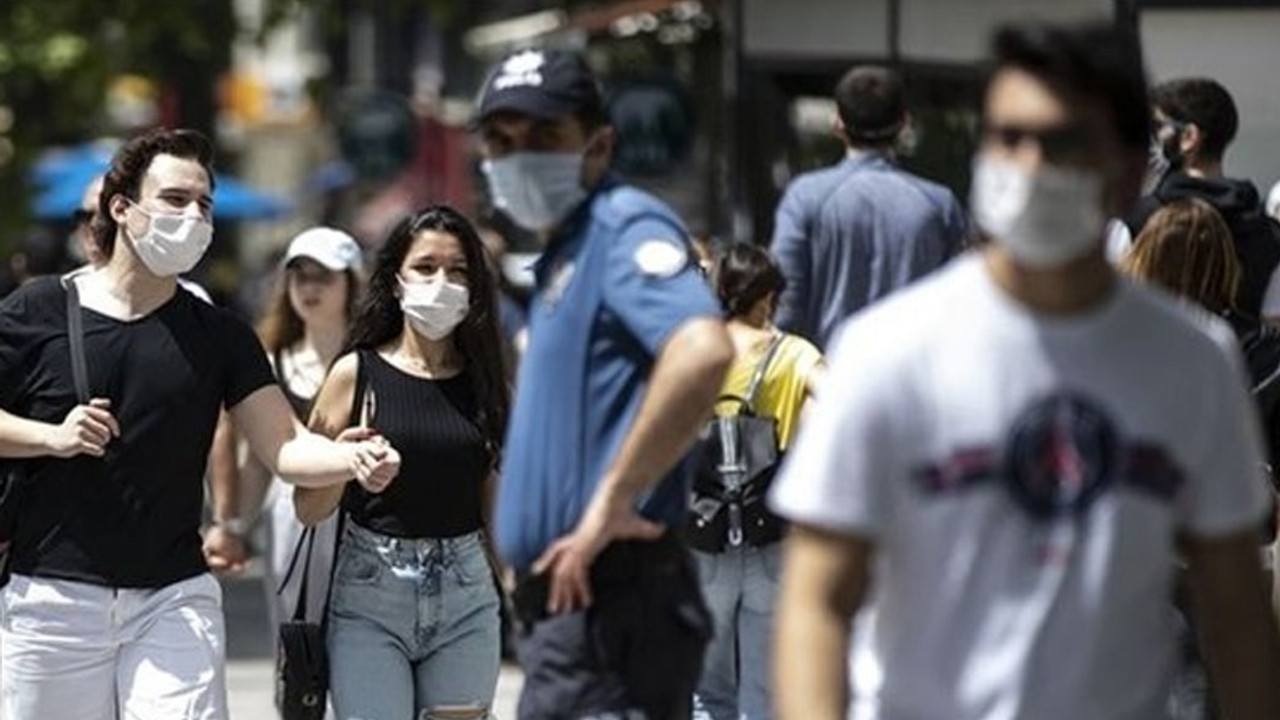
[
  {"x": 173, "y": 242},
  {"x": 433, "y": 307},
  {"x": 1045, "y": 218},
  {"x": 536, "y": 189}
]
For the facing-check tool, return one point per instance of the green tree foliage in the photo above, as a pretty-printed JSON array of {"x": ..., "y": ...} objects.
[{"x": 58, "y": 56}]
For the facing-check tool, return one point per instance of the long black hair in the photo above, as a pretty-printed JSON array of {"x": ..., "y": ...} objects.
[{"x": 380, "y": 320}]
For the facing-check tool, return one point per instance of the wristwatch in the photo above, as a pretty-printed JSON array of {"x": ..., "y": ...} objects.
[{"x": 235, "y": 526}]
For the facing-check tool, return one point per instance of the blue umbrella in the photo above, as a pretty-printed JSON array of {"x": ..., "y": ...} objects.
[{"x": 62, "y": 177}]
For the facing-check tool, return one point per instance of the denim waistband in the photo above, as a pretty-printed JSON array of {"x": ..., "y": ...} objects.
[{"x": 410, "y": 555}]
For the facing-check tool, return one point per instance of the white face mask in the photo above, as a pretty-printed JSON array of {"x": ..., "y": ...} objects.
[
  {"x": 1043, "y": 219},
  {"x": 173, "y": 243},
  {"x": 536, "y": 189},
  {"x": 433, "y": 307}
]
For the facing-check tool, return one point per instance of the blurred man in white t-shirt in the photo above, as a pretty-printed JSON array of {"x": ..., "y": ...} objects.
[{"x": 1024, "y": 444}]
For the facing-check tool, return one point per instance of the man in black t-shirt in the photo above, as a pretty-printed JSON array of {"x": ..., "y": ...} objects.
[{"x": 111, "y": 611}]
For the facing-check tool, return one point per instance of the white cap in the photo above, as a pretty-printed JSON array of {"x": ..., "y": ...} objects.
[
  {"x": 331, "y": 248},
  {"x": 1273, "y": 201}
]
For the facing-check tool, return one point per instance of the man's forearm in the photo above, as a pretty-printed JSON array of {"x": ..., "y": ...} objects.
[
  {"x": 224, "y": 478},
  {"x": 682, "y": 388},
  {"x": 311, "y": 460},
  {"x": 811, "y": 675},
  {"x": 23, "y": 438},
  {"x": 823, "y": 586},
  {"x": 1238, "y": 631}
]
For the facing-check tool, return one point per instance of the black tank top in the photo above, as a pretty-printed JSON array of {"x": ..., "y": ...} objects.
[
  {"x": 443, "y": 458},
  {"x": 301, "y": 405}
]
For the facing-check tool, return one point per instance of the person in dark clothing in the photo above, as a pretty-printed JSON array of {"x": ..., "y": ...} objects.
[
  {"x": 413, "y": 603},
  {"x": 1186, "y": 249},
  {"x": 111, "y": 610},
  {"x": 1195, "y": 121}
]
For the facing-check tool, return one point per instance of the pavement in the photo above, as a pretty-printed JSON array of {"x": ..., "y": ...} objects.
[{"x": 250, "y": 661}]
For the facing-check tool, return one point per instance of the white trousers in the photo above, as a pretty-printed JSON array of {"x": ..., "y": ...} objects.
[{"x": 75, "y": 651}]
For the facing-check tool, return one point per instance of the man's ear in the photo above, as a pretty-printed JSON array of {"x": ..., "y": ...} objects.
[
  {"x": 117, "y": 206},
  {"x": 838, "y": 129},
  {"x": 601, "y": 144},
  {"x": 1191, "y": 139},
  {"x": 598, "y": 155}
]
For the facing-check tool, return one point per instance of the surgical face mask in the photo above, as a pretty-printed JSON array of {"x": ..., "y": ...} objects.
[
  {"x": 1043, "y": 219},
  {"x": 1158, "y": 166},
  {"x": 536, "y": 189},
  {"x": 173, "y": 242},
  {"x": 433, "y": 307}
]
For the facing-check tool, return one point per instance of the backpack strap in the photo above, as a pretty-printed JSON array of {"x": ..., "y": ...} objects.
[
  {"x": 757, "y": 377},
  {"x": 75, "y": 337}
]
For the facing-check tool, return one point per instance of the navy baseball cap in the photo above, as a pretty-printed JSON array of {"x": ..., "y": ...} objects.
[{"x": 547, "y": 84}]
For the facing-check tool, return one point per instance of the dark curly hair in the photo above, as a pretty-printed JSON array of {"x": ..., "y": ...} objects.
[
  {"x": 1092, "y": 60},
  {"x": 130, "y": 165},
  {"x": 1204, "y": 103}
]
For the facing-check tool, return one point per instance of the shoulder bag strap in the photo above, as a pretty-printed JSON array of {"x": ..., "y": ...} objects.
[
  {"x": 308, "y": 537},
  {"x": 333, "y": 567},
  {"x": 75, "y": 336},
  {"x": 757, "y": 378}
]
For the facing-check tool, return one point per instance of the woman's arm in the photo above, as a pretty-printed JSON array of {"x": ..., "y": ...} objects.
[
  {"x": 330, "y": 416},
  {"x": 305, "y": 458}
]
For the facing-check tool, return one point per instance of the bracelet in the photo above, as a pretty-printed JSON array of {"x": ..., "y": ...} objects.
[{"x": 235, "y": 526}]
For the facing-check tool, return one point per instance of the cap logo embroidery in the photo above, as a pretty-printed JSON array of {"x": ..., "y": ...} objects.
[{"x": 521, "y": 69}]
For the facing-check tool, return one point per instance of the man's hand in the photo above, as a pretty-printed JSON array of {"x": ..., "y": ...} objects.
[
  {"x": 375, "y": 463},
  {"x": 86, "y": 429},
  {"x": 568, "y": 560},
  {"x": 224, "y": 551}
]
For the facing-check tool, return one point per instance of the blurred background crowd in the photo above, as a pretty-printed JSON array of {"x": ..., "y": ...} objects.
[{"x": 350, "y": 113}]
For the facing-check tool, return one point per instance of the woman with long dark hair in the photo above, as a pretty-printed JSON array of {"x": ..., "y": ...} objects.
[{"x": 414, "y": 605}]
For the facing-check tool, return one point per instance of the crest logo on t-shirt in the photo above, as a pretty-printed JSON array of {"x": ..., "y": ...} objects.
[
  {"x": 1062, "y": 453},
  {"x": 521, "y": 70}
]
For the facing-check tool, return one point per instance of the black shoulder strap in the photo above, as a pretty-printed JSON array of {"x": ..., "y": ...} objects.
[
  {"x": 308, "y": 538},
  {"x": 75, "y": 336},
  {"x": 757, "y": 378}
]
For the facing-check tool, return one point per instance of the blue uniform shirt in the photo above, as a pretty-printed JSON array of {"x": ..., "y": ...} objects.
[{"x": 611, "y": 288}]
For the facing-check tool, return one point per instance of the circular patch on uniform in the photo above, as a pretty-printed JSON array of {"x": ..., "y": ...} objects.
[
  {"x": 661, "y": 258},
  {"x": 1061, "y": 455}
]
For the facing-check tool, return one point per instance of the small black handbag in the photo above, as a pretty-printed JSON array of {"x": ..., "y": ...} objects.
[
  {"x": 302, "y": 658},
  {"x": 735, "y": 459}
]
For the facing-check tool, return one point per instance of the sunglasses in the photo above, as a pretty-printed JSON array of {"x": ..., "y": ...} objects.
[
  {"x": 81, "y": 217},
  {"x": 1063, "y": 142}
]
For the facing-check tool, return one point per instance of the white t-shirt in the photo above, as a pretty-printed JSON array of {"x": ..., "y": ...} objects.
[{"x": 1022, "y": 478}]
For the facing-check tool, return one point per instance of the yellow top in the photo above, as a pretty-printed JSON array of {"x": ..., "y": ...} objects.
[{"x": 783, "y": 390}]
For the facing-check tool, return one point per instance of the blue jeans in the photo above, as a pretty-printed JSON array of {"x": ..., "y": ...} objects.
[
  {"x": 740, "y": 586},
  {"x": 413, "y": 627}
]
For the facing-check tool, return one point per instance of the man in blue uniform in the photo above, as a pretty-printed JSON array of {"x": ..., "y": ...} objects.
[{"x": 626, "y": 354}]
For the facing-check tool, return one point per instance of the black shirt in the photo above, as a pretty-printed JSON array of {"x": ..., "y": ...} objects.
[
  {"x": 443, "y": 456},
  {"x": 131, "y": 518},
  {"x": 1255, "y": 236}
]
